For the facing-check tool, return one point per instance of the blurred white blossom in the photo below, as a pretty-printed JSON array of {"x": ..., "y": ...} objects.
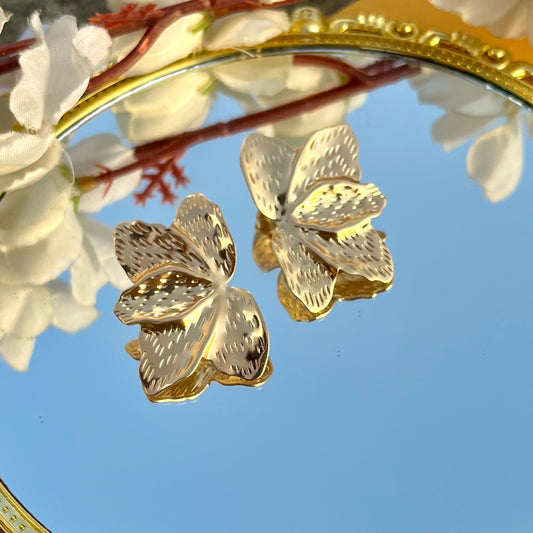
[
  {"x": 504, "y": 18},
  {"x": 54, "y": 73},
  {"x": 495, "y": 158}
]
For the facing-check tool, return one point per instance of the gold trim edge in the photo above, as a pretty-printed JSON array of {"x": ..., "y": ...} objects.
[
  {"x": 14, "y": 517},
  {"x": 455, "y": 51}
]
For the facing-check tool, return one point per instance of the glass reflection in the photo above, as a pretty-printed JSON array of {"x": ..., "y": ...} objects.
[{"x": 316, "y": 217}]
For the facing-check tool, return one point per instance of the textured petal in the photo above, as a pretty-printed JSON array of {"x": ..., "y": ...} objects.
[
  {"x": 112, "y": 154},
  {"x": 266, "y": 164},
  {"x": 28, "y": 99},
  {"x": 68, "y": 314},
  {"x": 188, "y": 388},
  {"x": 309, "y": 279},
  {"x": 176, "y": 42},
  {"x": 30, "y": 214},
  {"x": 241, "y": 344},
  {"x": 45, "y": 260},
  {"x": 362, "y": 252},
  {"x": 246, "y": 29},
  {"x": 162, "y": 296},
  {"x": 201, "y": 221},
  {"x": 26, "y": 310},
  {"x": 17, "y": 351},
  {"x": 141, "y": 247},
  {"x": 336, "y": 205},
  {"x": 330, "y": 153},
  {"x": 495, "y": 160},
  {"x": 33, "y": 172},
  {"x": 172, "y": 352}
]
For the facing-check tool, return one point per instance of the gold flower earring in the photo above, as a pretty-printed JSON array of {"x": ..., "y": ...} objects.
[
  {"x": 314, "y": 221},
  {"x": 194, "y": 328}
]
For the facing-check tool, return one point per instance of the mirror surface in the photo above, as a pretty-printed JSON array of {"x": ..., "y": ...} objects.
[{"x": 410, "y": 410}]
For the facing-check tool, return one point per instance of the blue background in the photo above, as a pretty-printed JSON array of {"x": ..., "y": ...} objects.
[{"x": 409, "y": 412}]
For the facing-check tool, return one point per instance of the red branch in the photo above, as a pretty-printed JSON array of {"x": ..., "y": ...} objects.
[
  {"x": 156, "y": 27},
  {"x": 162, "y": 155}
]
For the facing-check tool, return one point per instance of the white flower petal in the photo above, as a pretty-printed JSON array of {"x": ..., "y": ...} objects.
[
  {"x": 176, "y": 42},
  {"x": 30, "y": 214},
  {"x": 68, "y": 314},
  {"x": 111, "y": 153},
  {"x": 100, "y": 238},
  {"x": 69, "y": 72},
  {"x": 45, "y": 260},
  {"x": 35, "y": 171},
  {"x": 26, "y": 310},
  {"x": 514, "y": 24},
  {"x": 453, "y": 129},
  {"x": 495, "y": 159},
  {"x": 246, "y": 29},
  {"x": 94, "y": 45},
  {"x": 145, "y": 127},
  {"x": 18, "y": 150},
  {"x": 263, "y": 76},
  {"x": 28, "y": 98},
  {"x": 4, "y": 17},
  {"x": 477, "y": 12},
  {"x": 17, "y": 351}
]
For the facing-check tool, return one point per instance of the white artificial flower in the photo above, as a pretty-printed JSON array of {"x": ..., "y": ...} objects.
[
  {"x": 265, "y": 83},
  {"x": 40, "y": 235},
  {"x": 28, "y": 310},
  {"x": 246, "y": 29},
  {"x": 4, "y": 17},
  {"x": 171, "y": 107},
  {"x": 495, "y": 158},
  {"x": 54, "y": 73},
  {"x": 107, "y": 150},
  {"x": 179, "y": 40},
  {"x": 504, "y": 18}
]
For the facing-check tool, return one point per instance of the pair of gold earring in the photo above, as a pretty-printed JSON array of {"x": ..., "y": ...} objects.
[{"x": 315, "y": 220}]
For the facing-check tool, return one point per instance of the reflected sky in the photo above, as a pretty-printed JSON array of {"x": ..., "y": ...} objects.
[{"x": 411, "y": 411}]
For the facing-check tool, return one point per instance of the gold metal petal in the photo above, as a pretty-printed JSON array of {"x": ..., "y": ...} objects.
[
  {"x": 329, "y": 153},
  {"x": 171, "y": 352},
  {"x": 336, "y": 205},
  {"x": 295, "y": 307},
  {"x": 162, "y": 296},
  {"x": 310, "y": 279},
  {"x": 201, "y": 221},
  {"x": 361, "y": 252},
  {"x": 141, "y": 247},
  {"x": 262, "y": 250},
  {"x": 189, "y": 388},
  {"x": 265, "y": 163},
  {"x": 224, "y": 379},
  {"x": 349, "y": 288},
  {"x": 241, "y": 343},
  {"x": 134, "y": 350}
]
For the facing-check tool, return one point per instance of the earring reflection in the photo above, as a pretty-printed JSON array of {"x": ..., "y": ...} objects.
[{"x": 315, "y": 221}]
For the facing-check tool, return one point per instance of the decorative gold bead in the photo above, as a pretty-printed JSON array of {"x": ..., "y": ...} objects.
[{"x": 308, "y": 20}]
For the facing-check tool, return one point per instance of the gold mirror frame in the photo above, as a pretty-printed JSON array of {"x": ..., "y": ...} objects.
[{"x": 311, "y": 32}]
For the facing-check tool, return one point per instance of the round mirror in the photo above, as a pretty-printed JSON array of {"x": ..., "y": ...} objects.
[{"x": 343, "y": 206}]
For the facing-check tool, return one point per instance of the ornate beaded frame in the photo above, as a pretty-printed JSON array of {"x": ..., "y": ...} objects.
[{"x": 311, "y": 32}]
